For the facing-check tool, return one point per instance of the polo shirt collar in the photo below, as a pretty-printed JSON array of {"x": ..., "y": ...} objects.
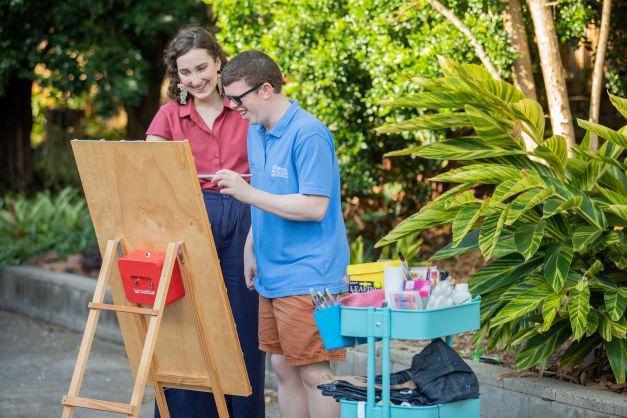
[{"x": 285, "y": 120}]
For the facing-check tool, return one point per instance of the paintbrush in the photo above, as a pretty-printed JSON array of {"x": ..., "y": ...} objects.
[{"x": 405, "y": 266}]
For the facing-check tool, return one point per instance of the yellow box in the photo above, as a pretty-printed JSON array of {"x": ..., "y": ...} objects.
[{"x": 368, "y": 276}]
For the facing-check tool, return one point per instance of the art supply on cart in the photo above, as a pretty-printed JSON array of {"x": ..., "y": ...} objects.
[
  {"x": 461, "y": 294},
  {"x": 394, "y": 281},
  {"x": 404, "y": 265},
  {"x": 365, "y": 277}
]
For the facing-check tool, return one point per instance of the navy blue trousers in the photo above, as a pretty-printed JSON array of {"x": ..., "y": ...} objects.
[{"x": 230, "y": 223}]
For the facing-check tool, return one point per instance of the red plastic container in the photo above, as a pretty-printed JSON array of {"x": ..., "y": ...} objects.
[{"x": 141, "y": 271}]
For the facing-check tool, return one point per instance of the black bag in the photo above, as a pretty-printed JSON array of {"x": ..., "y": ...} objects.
[{"x": 439, "y": 374}]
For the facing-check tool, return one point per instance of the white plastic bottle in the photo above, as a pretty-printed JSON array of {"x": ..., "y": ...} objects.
[{"x": 461, "y": 294}]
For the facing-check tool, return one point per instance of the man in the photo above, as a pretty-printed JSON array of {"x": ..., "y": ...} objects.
[{"x": 297, "y": 239}]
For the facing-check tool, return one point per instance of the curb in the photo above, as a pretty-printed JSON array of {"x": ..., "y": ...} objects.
[{"x": 62, "y": 299}]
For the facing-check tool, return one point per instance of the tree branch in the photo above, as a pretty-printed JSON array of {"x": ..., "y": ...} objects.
[{"x": 450, "y": 16}]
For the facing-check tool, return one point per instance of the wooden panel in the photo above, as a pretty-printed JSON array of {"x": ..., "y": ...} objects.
[{"x": 147, "y": 193}]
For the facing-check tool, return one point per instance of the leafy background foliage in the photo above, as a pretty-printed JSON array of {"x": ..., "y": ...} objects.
[
  {"x": 29, "y": 227},
  {"x": 551, "y": 227}
]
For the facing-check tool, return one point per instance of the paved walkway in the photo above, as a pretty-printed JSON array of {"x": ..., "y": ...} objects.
[{"x": 36, "y": 364}]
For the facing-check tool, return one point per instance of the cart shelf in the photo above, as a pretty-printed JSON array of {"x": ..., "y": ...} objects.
[{"x": 386, "y": 324}]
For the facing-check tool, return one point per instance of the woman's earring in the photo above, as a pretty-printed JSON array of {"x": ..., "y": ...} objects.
[
  {"x": 219, "y": 84},
  {"x": 182, "y": 93}
]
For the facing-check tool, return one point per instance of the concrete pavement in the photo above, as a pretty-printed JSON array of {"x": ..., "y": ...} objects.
[{"x": 36, "y": 364}]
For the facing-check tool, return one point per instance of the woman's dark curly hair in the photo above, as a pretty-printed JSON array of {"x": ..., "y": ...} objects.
[{"x": 185, "y": 40}]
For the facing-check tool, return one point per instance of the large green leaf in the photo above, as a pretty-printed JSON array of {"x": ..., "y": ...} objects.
[
  {"x": 557, "y": 261},
  {"x": 589, "y": 210},
  {"x": 584, "y": 236},
  {"x": 600, "y": 163},
  {"x": 524, "y": 202},
  {"x": 620, "y": 104},
  {"x": 617, "y": 355},
  {"x": 429, "y": 216},
  {"x": 456, "y": 149},
  {"x": 554, "y": 206},
  {"x": 435, "y": 100},
  {"x": 514, "y": 186},
  {"x": 615, "y": 303},
  {"x": 503, "y": 272},
  {"x": 433, "y": 121},
  {"x": 461, "y": 199},
  {"x": 618, "y": 210},
  {"x": 593, "y": 322},
  {"x": 554, "y": 151},
  {"x": 551, "y": 305},
  {"x": 528, "y": 238},
  {"x": 619, "y": 328},
  {"x": 542, "y": 345},
  {"x": 479, "y": 173},
  {"x": 521, "y": 305},
  {"x": 578, "y": 350},
  {"x": 532, "y": 114},
  {"x": 491, "y": 231},
  {"x": 604, "y": 132},
  {"x": 605, "y": 326},
  {"x": 578, "y": 308},
  {"x": 494, "y": 132},
  {"x": 464, "y": 221},
  {"x": 469, "y": 243}
]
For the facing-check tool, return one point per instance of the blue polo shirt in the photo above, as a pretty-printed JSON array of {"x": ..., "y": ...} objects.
[{"x": 297, "y": 156}]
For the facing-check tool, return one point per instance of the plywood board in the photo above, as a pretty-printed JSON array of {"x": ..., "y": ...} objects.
[{"x": 147, "y": 194}]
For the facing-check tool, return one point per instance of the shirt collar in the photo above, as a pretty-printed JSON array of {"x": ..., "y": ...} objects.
[
  {"x": 186, "y": 109},
  {"x": 285, "y": 120}
]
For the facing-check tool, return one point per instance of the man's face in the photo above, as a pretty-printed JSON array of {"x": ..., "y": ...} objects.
[{"x": 246, "y": 100}]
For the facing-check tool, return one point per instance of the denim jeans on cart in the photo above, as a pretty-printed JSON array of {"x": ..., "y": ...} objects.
[{"x": 230, "y": 223}]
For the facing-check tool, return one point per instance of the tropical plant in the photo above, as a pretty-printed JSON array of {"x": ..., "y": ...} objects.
[
  {"x": 550, "y": 227},
  {"x": 31, "y": 226}
]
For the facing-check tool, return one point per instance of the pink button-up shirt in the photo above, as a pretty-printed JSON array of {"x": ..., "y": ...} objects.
[{"x": 223, "y": 146}]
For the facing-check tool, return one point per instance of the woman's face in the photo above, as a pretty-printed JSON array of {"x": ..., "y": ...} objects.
[{"x": 198, "y": 72}]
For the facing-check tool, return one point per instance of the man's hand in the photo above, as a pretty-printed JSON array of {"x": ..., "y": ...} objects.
[
  {"x": 250, "y": 269},
  {"x": 233, "y": 184},
  {"x": 250, "y": 263}
]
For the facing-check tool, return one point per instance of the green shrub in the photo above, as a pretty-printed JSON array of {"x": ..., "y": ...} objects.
[
  {"x": 549, "y": 225},
  {"x": 30, "y": 227}
]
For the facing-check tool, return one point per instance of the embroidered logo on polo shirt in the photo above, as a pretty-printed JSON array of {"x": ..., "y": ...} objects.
[{"x": 280, "y": 172}]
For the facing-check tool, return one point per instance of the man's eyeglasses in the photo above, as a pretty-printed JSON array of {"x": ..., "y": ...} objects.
[{"x": 238, "y": 99}]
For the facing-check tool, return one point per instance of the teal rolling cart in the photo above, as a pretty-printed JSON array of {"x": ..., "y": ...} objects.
[{"x": 387, "y": 324}]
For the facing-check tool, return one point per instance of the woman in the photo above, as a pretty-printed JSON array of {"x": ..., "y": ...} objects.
[{"x": 217, "y": 136}]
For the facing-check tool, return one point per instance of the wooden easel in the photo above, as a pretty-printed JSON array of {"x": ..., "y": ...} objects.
[{"x": 211, "y": 359}]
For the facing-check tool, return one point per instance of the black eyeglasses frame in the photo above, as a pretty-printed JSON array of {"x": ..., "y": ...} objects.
[{"x": 238, "y": 99}]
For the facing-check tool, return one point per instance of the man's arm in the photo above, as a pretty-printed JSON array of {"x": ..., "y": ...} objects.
[
  {"x": 250, "y": 263},
  {"x": 295, "y": 207}
]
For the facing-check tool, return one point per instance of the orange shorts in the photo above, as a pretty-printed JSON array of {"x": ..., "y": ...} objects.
[{"x": 287, "y": 326}]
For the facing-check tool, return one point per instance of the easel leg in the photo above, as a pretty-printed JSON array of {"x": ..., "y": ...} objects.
[
  {"x": 153, "y": 330},
  {"x": 164, "y": 411},
  {"x": 92, "y": 321},
  {"x": 207, "y": 346}
]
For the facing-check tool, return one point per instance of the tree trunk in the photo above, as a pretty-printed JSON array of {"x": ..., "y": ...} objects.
[
  {"x": 16, "y": 123},
  {"x": 597, "y": 74},
  {"x": 522, "y": 72},
  {"x": 552, "y": 71},
  {"x": 140, "y": 116}
]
